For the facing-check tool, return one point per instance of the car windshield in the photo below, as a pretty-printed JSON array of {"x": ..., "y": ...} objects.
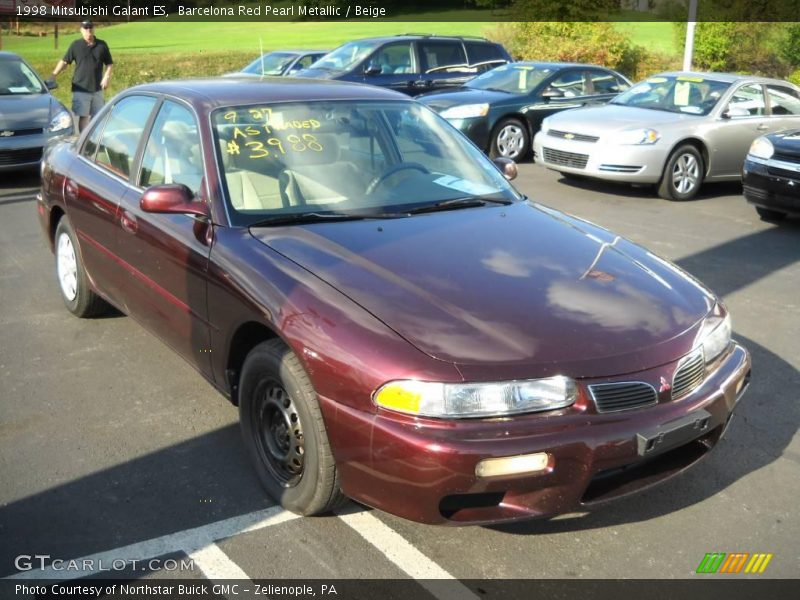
[
  {"x": 18, "y": 78},
  {"x": 692, "y": 95},
  {"x": 343, "y": 158},
  {"x": 273, "y": 63},
  {"x": 345, "y": 57},
  {"x": 514, "y": 79}
]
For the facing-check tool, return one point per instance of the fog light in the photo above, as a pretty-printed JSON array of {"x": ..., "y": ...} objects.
[{"x": 513, "y": 465}]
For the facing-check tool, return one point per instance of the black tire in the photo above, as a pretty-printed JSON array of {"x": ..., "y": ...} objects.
[
  {"x": 284, "y": 432},
  {"x": 510, "y": 139},
  {"x": 683, "y": 175},
  {"x": 769, "y": 215},
  {"x": 79, "y": 299}
]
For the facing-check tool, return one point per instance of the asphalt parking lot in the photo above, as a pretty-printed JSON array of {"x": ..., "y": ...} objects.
[{"x": 112, "y": 447}]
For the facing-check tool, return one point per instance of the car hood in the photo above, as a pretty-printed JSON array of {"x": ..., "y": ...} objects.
[
  {"x": 787, "y": 143},
  {"x": 599, "y": 120},
  {"x": 444, "y": 99},
  {"x": 25, "y": 111},
  {"x": 511, "y": 285}
]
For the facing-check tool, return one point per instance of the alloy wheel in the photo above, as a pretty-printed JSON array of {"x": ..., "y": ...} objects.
[
  {"x": 510, "y": 140},
  {"x": 685, "y": 174}
]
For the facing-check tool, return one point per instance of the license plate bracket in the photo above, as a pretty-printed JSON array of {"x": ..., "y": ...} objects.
[{"x": 674, "y": 433}]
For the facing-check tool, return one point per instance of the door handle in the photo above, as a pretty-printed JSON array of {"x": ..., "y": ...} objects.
[
  {"x": 128, "y": 222},
  {"x": 70, "y": 190},
  {"x": 763, "y": 127},
  {"x": 419, "y": 83}
]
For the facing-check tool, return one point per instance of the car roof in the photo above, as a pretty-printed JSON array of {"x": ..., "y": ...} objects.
[
  {"x": 724, "y": 77},
  {"x": 9, "y": 56},
  {"x": 554, "y": 65},
  {"x": 216, "y": 92},
  {"x": 285, "y": 51}
]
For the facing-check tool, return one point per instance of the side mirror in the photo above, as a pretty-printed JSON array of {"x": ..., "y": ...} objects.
[
  {"x": 174, "y": 199},
  {"x": 552, "y": 93},
  {"x": 507, "y": 167},
  {"x": 51, "y": 84},
  {"x": 735, "y": 111},
  {"x": 372, "y": 69}
]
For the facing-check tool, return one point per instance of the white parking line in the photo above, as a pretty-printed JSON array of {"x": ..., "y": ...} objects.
[
  {"x": 399, "y": 551},
  {"x": 183, "y": 541},
  {"x": 215, "y": 564}
]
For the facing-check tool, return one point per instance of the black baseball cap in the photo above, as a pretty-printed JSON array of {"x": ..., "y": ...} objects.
[{"x": 87, "y": 25}]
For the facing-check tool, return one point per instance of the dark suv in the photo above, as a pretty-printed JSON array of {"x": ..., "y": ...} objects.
[{"x": 410, "y": 63}]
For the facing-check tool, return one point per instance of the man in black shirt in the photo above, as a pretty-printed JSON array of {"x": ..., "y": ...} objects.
[{"x": 88, "y": 81}]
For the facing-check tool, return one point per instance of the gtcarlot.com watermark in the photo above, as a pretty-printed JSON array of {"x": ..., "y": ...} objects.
[{"x": 28, "y": 562}]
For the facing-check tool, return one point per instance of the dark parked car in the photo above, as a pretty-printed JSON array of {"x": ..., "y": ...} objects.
[
  {"x": 411, "y": 64},
  {"x": 502, "y": 110},
  {"x": 364, "y": 284},
  {"x": 29, "y": 115},
  {"x": 280, "y": 62},
  {"x": 771, "y": 175}
]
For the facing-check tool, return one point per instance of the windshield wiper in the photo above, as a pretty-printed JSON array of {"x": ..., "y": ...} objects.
[
  {"x": 456, "y": 203},
  {"x": 317, "y": 217}
]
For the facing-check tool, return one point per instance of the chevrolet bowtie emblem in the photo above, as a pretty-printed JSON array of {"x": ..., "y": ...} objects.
[
  {"x": 569, "y": 136},
  {"x": 6, "y": 133}
]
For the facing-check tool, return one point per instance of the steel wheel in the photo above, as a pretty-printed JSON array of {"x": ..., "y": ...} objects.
[
  {"x": 280, "y": 441},
  {"x": 67, "y": 267},
  {"x": 510, "y": 140},
  {"x": 284, "y": 431}
]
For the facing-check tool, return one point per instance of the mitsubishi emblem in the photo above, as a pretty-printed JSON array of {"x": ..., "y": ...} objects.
[{"x": 665, "y": 386}]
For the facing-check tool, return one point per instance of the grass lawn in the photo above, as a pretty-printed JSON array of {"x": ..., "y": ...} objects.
[{"x": 656, "y": 36}]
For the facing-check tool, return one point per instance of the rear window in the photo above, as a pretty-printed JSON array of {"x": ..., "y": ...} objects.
[{"x": 481, "y": 52}]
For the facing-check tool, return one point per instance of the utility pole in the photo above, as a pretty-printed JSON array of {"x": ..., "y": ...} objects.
[{"x": 688, "y": 48}]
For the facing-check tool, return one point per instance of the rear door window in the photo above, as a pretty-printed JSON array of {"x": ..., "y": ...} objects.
[
  {"x": 783, "y": 101},
  {"x": 570, "y": 84},
  {"x": 605, "y": 82},
  {"x": 442, "y": 56}
]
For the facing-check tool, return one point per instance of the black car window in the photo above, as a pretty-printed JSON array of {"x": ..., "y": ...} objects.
[
  {"x": 395, "y": 58},
  {"x": 442, "y": 56},
  {"x": 570, "y": 84},
  {"x": 747, "y": 99},
  {"x": 172, "y": 154},
  {"x": 605, "y": 82},
  {"x": 783, "y": 100},
  {"x": 305, "y": 61},
  {"x": 90, "y": 145},
  {"x": 482, "y": 52},
  {"x": 122, "y": 133}
]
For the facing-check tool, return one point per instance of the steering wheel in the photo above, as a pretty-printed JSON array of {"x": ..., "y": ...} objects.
[{"x": 379, "y": 179}]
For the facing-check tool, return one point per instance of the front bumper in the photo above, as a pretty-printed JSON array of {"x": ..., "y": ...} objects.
[
  {"x": 772, "y": 184},
  {"x": 476, "y": 129},
  {"x": 19, "y": 152},
  {"x": 601, "y": 159},
  {"x": 424, "y": 470}
]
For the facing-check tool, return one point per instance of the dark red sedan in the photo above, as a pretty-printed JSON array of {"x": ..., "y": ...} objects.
[{"x": 395, "y": 322}]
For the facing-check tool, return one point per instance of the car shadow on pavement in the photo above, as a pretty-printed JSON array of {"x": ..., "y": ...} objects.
[
  {"x": 709, "y": 190},
  {"x": 190, "y": 484}
]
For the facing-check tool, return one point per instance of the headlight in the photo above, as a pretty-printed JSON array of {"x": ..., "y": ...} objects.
[
  {"x": 467, "y": 111},
  {"x": 638, "y": 137},
  {"x": 715, "y": 337},
  {"x": 476, "y": 399},
  {"x": 60, "y": 122},
  {"x": 761, "y": 148}
]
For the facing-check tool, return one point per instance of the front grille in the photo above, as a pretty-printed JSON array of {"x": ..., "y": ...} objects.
[
  {"x": 790, "y": 158},
  {"x": 565, "y": 159},
  {"x": 18, "y": 157},
  {"x": 688, "y": 376},
  {"x": 568, "y": 135},
  {"x": 623, "y": 395},
  {"x": 786, "y": 173},
  {"x": 21, "y": 132}
]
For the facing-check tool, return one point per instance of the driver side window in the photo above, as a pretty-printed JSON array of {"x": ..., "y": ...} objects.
[{"x": 392, "y": 58}]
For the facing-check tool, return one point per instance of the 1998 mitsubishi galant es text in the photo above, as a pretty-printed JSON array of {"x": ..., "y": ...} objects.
[{"x": 396, "y": 323}]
